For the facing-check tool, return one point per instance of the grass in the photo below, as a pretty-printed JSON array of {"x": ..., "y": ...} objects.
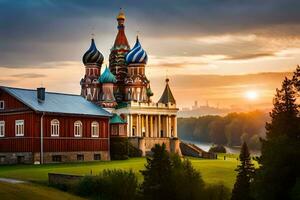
[
  {"x": 32, "y": 192},
  {"x": 213, "y": 171}
]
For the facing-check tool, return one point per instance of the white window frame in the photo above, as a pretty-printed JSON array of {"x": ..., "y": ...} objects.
[
  {"x": 2, "y": 128},
  {"x": 95, "y": 129},
  {"x": 78, "y": 129},
  {"x": 19, "y": 127},
  {"x": 2, "y": 105},
  {"x": 54, "y": 128}
]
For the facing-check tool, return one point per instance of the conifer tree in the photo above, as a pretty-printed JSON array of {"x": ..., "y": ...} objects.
[
  {"x": 245, "y": 171},
  {"x": 279, "y": 162},
  {"x": 157, "y": 174},
  {"x": 284, "y": 116}
]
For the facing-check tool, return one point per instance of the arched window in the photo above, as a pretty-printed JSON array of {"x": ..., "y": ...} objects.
[
  {"x": 95, "y": 129},
  {"x": 78, "y": 129},
  {"x": 54, "y": 127}
]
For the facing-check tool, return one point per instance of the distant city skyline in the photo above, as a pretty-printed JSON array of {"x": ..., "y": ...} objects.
[{"x": 229, "y": 53}]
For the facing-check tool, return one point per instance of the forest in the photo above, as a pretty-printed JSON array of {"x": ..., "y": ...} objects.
[{"x": 231, "y": 130}]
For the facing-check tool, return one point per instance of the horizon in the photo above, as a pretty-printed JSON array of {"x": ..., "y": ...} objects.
[{"x": 232, "y": 57}]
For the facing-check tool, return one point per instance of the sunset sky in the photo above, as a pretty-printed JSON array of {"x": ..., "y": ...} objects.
[{"x": 231, "y": 53}]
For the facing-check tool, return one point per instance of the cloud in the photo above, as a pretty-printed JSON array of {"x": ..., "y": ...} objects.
[
  {"x": 60, "y": 30},
  {"x": 249, "y": 56},
  {"x": 28, "y": 75}
]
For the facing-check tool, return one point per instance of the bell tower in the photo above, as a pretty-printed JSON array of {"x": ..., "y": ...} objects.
[{"x": 117, "y": 64}]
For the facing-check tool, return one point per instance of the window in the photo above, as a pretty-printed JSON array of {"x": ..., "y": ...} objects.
[
  {"x": 54, "y": 127},
  {"x": 20, "y": 159},
  {"x": 19, "y": 128},
  {"x": 77, "y": 129},
  {"x": 95, "y": 129},
  {"x": 56, "y": 158},
  {"x": 97, "y": 156},
  {"x": 2, "y": 128},
  {"x": 1, "y": 105},
  {"x": 80, "y": 157},
  {"x": 2, "y": 159}
]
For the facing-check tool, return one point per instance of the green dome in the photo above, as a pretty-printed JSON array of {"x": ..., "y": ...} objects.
[
  {"x": 149, "y": 92},
  {"x": 107, "y": 77}
]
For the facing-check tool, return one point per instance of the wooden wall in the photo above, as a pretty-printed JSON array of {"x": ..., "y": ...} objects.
[{"x": 66, "y": 142}]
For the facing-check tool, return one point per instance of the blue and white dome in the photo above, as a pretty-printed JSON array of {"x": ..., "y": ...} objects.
[
  {"x": 93, "y": 56},
  {"x": 137, "y": 54}
]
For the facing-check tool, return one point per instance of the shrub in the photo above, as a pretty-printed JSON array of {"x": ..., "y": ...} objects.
[
  {"x": 110, "y": 184},
  {"x": 118, "y": 148},
  {"x": 216, "y": 192},
  {"x": 133, "y": 151},
  {"x": 217, "y": 149}
]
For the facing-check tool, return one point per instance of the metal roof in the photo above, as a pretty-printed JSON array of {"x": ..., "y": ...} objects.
[
  {"x": 57, "y": 102},
  {"x": 116, "y": 119},
  {"x": 167, "y": 96}
]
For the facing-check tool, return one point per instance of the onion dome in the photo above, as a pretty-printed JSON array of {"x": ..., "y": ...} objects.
[
  {"x": 137, "y": 54},
  {"x": 149, "y": 92},
  {"x": 121, "y": 15},
  {"x": 107, "y": 77},
  {"x": 93, "y": 56}
]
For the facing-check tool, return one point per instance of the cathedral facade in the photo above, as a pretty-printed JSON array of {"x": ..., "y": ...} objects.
[{"x": 124, "y": 90}]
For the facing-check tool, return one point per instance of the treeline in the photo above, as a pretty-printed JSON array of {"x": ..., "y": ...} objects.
[{"x": 232, "y": 129}]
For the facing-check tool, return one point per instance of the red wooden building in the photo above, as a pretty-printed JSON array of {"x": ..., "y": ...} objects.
[{"x": 43, "y": 127}]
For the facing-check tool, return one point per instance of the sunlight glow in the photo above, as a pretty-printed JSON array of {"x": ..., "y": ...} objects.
[{"x": 251, "y": 95}]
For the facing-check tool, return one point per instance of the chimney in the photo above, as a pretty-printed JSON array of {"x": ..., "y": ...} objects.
[{"x": 40, "y": 94}]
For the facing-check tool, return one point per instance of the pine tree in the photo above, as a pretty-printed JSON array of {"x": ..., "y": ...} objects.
[
  {"x": 245, "y": 171},
  {"x": 157, "y": 174},
  {"x": 285, "y": 112},
  {"x": 296, "y": 78},
  {"x": 279, "y": 160}
]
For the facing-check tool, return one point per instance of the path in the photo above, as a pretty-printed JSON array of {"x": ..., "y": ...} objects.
[{"x": 9, "y": 180}]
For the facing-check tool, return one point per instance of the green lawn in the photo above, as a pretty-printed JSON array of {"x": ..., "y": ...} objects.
[
  {"x": 28, "y": 191},
  {"x": 213, "y": 171}
]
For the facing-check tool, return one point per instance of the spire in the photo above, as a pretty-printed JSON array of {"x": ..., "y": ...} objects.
[
  {"x": 121, "y": 40},
  {"x": 121, "y": 15},
  {"x": 167, "y": 96}
]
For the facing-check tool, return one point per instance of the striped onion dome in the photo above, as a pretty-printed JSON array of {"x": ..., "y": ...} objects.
[
  {"x": 107, "y": 77},
  {"x": 93, "y": 56},
  {"x": 136, "y": 54}
]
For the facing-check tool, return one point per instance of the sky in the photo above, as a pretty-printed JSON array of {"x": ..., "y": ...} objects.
[{"x": 230, "y": 53}]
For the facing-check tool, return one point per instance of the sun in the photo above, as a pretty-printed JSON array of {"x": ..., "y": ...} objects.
[{"x": 251, "y": 95}]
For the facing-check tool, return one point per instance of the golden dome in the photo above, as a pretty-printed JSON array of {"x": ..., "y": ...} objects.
[{"x": 121, "y": 14}]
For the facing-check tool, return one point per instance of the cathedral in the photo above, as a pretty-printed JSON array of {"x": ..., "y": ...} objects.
[
  {"x": 124, "y": 90},
  {"x": 37, "y": 126}
]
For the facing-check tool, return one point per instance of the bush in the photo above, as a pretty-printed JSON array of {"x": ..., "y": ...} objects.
[
  {"x": 217, "y": 149},
  {"x": 110, "y": 184},
  {"x": 118, "y": 148},
  {"x": 216, "y": 192},
  {"x": 133, "y": 151}
]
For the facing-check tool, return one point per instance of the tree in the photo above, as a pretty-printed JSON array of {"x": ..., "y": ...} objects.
[
  {"x": 279, "y": 162},
  {"x": 169, "y": 177},
  {"x": 296, "y": 78},
  {"x": 284, "y": 116},
  {"x": 157, "y": 174},
  {"x": 245, "y": 171}
]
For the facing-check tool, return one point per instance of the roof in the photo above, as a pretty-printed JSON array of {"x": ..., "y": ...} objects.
[
  {"x": 57, "y": 102},
  {"x": 107, "y": 77},
  {"x": 116, "y": 119},
  {"x": 167, "y": 96}
]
